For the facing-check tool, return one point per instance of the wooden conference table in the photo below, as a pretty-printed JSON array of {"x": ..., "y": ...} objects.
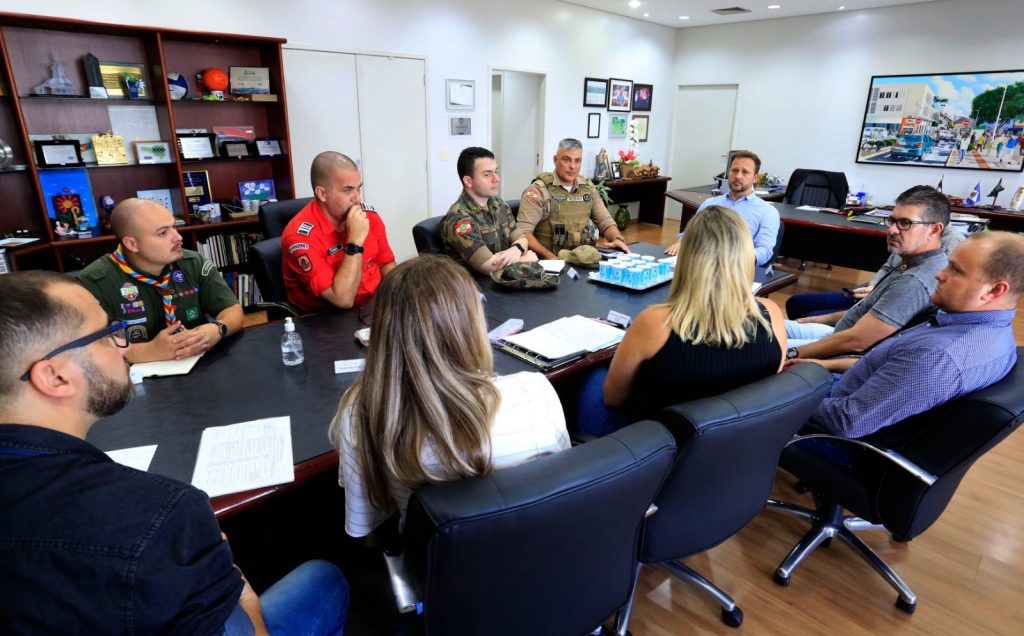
[{"x": 243, "y": 379}]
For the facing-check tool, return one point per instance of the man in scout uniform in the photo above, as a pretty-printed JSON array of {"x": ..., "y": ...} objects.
[
  {"x": 335, "y": 251},
  {"x": 557, "y": 209},
  {"x": 175, "y": 303},
  {"x": 479, "y": 228}
]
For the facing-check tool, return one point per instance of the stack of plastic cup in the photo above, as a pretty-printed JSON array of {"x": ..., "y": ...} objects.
[
  {"x": 618, "y": 272},
  {"x": 604, "y": 270},
  {"x": 636, "y": 276}
]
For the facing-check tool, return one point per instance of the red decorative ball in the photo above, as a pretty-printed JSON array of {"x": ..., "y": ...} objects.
[{"x": 215, "y": 79}]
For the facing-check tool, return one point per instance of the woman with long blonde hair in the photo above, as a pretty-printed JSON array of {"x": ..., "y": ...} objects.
[
  {"x": 711, "y": 336},
  {"x": 427, "y": 407}
]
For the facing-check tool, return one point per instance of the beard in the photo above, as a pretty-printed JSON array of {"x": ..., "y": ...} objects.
[{"x": 106, "y": 395}]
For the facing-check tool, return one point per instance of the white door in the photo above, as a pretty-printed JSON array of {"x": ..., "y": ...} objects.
[
  {"x": 702, "y": 136},
  {"x": 520, "y": 130},
  {"x": 321, "y": 115},
  {"x": 393, "y": 128}
]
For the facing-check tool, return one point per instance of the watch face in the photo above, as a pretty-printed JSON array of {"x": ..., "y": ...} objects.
[{"x": 352, "y": 248}]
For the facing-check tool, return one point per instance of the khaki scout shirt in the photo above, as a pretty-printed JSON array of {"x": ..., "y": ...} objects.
[
  {"x": 474, "y": 234},
  {"x": 198, "y": 289},
  {"x": 535, "y": 204}
]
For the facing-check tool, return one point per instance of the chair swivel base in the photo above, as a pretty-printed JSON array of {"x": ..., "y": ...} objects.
[
  {"x": 829, "y": 522},
  {"x": 732, "y": 615}
]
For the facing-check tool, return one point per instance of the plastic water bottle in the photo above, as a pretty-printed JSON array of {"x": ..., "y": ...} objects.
[{"x": 291, "y": 345}]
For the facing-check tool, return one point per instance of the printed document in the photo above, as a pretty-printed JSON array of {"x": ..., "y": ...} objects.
[
  {"x": 138, "y": 458},
  {"x": 567, "y": 336},
  {"x": 245, "y": 456}
]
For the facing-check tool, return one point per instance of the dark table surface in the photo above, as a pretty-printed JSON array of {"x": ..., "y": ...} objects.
[{"x": 243, "y": 379}]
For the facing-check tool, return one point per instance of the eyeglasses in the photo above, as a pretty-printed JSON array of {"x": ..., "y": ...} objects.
[
  {"x": 904, "y": 224},
  {"x": 116, "y": 331}
]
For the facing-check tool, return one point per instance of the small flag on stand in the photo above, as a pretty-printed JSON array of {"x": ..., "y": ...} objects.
[
  {"x": 995, "y": 191},
  {"x": 939, "y": 187},
  {"x": 975, "y": 195}
]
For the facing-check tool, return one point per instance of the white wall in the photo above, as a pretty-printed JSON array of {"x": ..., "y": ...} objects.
[
  {"x": 460, "y": 39},
  {"x": 804, "y": 81}
]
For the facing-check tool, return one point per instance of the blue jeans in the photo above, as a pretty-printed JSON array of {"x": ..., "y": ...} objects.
[
  {"x": 799, "y": 334},
  {"x": 592, "y": 416},
  {"x": 803, "y": 305},
  {"x": 310, "y": 600}
]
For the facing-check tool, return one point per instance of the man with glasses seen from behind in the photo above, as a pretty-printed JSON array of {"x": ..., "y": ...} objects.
[{"x": 914, "y": 233}]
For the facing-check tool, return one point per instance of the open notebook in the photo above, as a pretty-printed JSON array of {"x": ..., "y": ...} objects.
[{"x": 561, "y": 341}]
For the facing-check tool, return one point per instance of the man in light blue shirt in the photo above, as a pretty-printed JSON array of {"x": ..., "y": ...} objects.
[{"x": 762, "y": 218}]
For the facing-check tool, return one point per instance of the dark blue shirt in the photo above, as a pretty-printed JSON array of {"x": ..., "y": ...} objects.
[
  {"x": 89, "y": 546},
  {"x": 951, "y": 355}
]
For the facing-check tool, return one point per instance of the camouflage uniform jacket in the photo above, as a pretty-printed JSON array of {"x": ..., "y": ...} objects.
[{"x": 473, "y": 234}]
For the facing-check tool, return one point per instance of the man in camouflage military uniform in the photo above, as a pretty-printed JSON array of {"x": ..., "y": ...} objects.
[
  {"x": 479, "y": 228},
  {"x": 557, "y": 210},
  {"x": 175, "y": 302}
]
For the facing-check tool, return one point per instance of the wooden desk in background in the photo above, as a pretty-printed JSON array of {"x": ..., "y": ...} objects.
[
  {"x": 649, "y": 192},
  {"x": 691, "y": 198}
]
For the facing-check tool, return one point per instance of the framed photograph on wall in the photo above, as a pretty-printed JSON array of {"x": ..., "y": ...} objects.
[
  {"x": 640, "y": 123},
  {"x": 642, "y": 96},
  {"x": 617, "y": 125},
  {"x": 595, "y": 92},
  {"x": 593, "y": 125},
  {"x": 620, "y": 95},
  {"x": 969, "y": 121},
  {"x": 460, "y": 94}
]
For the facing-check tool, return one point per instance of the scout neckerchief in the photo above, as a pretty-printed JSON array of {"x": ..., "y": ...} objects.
[{"x": 163, "y": 285}]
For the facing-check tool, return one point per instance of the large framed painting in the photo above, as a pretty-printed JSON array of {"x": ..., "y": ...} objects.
[{"x": 972, "y": 121}]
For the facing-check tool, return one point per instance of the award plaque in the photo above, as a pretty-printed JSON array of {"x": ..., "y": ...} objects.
[
  {"x": 196, "y": 146},
  {"x": 58, "y": 153},
  {"x": 268, "y": 147},
  {"x": 235, "y": 149}
]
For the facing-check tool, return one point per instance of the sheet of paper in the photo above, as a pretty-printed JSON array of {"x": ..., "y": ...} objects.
[
  {"x": 567, "y": 336},
  {"x": 349, "y": 366},
  {"x": 12, "y": 242},
  {"x": 552, "y": 265},
  {"x": 138, "y": 458},
  {"x": 166, "y": 367},
  {"x": 134, "y": 123},
  {"x": 245, "y": 456},
  {"x": 754, "y": 287},
  {"x": 809, "y": 208}
]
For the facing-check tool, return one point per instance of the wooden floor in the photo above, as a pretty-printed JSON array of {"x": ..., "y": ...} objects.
[{"x": 967, "y": 570}]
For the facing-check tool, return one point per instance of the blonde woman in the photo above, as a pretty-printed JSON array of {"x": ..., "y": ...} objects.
[
  {"x": 711, "y": 336},
  {"x": 428, "y": 407}
]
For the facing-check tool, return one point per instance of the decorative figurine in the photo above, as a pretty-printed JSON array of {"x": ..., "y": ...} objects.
[{"x": 58, "y": 84}]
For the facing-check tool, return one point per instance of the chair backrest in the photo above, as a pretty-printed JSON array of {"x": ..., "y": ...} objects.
[
  {"x": 427, "y": 236},
  {"x": 729, "y": 447},
  {"x": 513, "y": 206},
  {"x": 546, "y": 547},
  {"x": 274, "y": 217},
  {"x": 265, "y": 257},
  {"x": 777, "y": 250},
  {"x": 817, "y": 187},
  {"x": 945, "y": 441}
]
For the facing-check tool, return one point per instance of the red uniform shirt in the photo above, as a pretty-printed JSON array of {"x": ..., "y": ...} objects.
[{"x": 312, "y": 251}]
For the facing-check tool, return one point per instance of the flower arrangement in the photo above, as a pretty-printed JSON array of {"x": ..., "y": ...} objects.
[{"x": 628, "y": 158}]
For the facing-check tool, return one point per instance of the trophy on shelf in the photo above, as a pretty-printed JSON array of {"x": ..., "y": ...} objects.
[{"x": 58, "y": 84}]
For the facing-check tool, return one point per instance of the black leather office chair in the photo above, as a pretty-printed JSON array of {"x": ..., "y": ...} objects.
[
  {"x": 902, "y": 476},
  {"x": 818, "y": 188},
  {"x": 777, "y": 250},
  {"x": 265, "y": 257},
  {"x": 427, "y": 236},
  {"x": 513, "y": 206},
  {"x": 729, "y": 447},
  {"x": 546, "y": 547},
  {"x": 274, "y": 217}
]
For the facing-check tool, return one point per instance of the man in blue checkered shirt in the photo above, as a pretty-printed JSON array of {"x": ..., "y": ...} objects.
[{"x": 968, "y": 345}]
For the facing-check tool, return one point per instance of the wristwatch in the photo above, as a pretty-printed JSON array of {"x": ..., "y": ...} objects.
[
  {"x": 222, "y": 328},
  {"x": 519, "y": 247},
  {"x": 792, "y": 352},
  {"x": 352, "y": 249}
]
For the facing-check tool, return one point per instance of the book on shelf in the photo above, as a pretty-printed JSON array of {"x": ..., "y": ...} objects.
[
  {"x": 244, "y": 287},
  {"x": 226, "y": 250}
]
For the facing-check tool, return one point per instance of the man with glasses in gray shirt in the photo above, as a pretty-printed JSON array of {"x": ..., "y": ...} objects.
[{"x": 914, "y": 233}]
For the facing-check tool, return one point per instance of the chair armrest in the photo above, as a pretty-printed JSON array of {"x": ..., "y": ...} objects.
[
  {"x": 405, "y": 598},
  {"x": 894, "y": 457}
]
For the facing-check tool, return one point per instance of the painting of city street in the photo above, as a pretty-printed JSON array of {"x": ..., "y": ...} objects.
[{"x": 973, "y": 121}]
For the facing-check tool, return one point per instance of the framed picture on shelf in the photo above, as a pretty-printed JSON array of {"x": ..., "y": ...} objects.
[
  {"x": 460, "y": 94},
  {"x": 197, "y": 188},
  {"x": 161, "y": 196},
  {"x": 153, "y": 151},
  {"x": 58, "y": 153},
  {"x": 57, "y": 183},
  {"x": 643, "y": 94},
  {"x": 602, "y": 169},
  {"x": 620, "y": 95},
  {"x": 593, "y": 125},
  {"x": 268, "y": 148},
  {"x": 194, "y": 146},
  {"x": 640, "y": 123},
  {"x": 595, "y": 92},
  {"x": 110, "y": 150},
  {"x": 257, "y": 190},
  {"x": 84, "y": 141},
  {"x": 617, "y": 126},
  {"x": 113, "y": 78},
  {"x": 616, "y": 170},
  {"x": 249, "y": 80},
  {"x": 236, "y": 149}
]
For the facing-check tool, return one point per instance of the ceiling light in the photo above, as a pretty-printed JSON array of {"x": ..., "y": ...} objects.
[
  {"x": 841, "y": 7},
  {"x": 634, "y": 4},
  {"x": 647, "y": 15},
  {"x": 775, "y": 6},
  {"x": 684, "y": 17}
]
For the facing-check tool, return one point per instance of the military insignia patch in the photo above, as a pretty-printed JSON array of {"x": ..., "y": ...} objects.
[
  {"x": 305, "y": 228},
  {"x": 298, "y": 246},
  {"x": 463, "y": 228},
  {"x": 129, "y": 291},
  {"x": 531, "y": 193},
  {"x": 304, "y": 263},
  {"x": 192, "y": 313},
  {"x": 334, "y": 250},
  {"x": 587, "y": 197},
  {"x": 178, "y": 276}
]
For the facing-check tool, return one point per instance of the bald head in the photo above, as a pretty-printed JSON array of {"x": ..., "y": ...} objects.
[
  {"x": 126, "y": 217},
  {"x": 1005, "y": 258},
  {"x": 326, "y": 165}
]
